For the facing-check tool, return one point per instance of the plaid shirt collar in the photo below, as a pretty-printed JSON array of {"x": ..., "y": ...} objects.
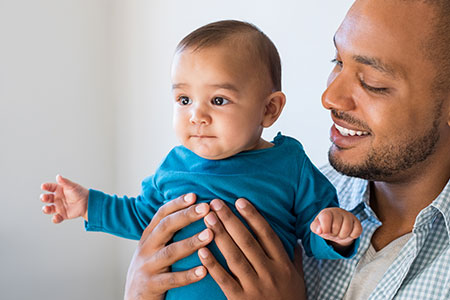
[
  {"x": 421, "y": 269},
  {"x": 352, "y": 190}
]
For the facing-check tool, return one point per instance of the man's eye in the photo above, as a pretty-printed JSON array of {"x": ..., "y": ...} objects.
[
  {"x": 183, "y": 100},
  {"x": 219, "y": 101},
  {"x": 376, "y": 90}
]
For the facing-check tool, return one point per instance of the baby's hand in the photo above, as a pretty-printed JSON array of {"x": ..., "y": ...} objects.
[
  {"x": 66, "y": 200},
  {"x": 337, "y": 226}
]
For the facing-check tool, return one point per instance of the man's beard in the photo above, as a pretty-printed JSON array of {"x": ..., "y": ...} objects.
[{"x": 384, "y": 163}]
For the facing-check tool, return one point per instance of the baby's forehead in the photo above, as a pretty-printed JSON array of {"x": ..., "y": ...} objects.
[{"x": 237, "y": 62}]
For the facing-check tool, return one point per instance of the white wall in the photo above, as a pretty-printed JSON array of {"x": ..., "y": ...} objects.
[
  {"x": 56, "y": 115},
  {"x": 85, "y": 91}
]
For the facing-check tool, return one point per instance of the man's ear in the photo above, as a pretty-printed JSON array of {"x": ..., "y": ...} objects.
[{"x": 274, "y": 106}]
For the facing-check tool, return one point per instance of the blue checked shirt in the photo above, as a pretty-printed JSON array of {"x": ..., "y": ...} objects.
[{"x": 422, "y": 268}]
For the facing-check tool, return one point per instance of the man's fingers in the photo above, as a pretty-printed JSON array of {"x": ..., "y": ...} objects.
[
  {"x": 225, "y": 281},
  {"x": 267, "y": 238},
  {"x": 176, "y": 279},
  {"x": 298, "y": 260},
  {"x": 172, "y": 253},
  {"x": 238, "y": 232},
  {"x": 167, "y": 209},
  {"x": 237, "y": 261},
  {"x": 167, "y": 227}
]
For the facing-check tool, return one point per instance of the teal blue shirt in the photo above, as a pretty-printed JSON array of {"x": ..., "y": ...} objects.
[{"x": 283, "y": 184}]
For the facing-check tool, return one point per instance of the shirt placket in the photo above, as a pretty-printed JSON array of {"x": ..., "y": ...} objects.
[{"x": 394, "y": 276}]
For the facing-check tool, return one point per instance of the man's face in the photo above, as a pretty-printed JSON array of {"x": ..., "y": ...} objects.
[
  {"x": 386, "y": 118},
  {"x": 218, "y": 101}
]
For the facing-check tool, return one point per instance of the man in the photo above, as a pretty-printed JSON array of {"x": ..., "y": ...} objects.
[{"x": 389, "y": 97}]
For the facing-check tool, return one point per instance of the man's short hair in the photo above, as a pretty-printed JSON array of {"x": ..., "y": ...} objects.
[
  {"x": 247, "y": 35},
  {"x": 437, "y": 47}
]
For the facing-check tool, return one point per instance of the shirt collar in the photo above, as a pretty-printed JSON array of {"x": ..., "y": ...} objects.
[
  {"x": 354, "y": 192},
  {"x": 442, "y": 205}
]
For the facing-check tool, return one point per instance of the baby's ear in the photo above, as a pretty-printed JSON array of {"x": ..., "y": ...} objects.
[{"x": 274, "y": 106}]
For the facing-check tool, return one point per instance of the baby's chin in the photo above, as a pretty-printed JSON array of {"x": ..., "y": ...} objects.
[{"x": 211, "y": 155}]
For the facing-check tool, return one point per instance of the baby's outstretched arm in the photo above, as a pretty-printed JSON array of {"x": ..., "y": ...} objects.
[
  {"x": 338, "y": 226},
  {"x": 66, "y": 200}
]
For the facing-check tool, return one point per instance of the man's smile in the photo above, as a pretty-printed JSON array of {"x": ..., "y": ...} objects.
[{"x": 349, "y": 132}]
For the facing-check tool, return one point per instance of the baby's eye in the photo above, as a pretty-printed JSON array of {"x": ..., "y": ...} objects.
[
  {"x": 219, "y": 101},
  {"x": 337, "y": 62},
  {"x": 183, "y": 100}
]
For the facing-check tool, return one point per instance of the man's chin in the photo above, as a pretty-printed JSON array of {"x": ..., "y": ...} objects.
[{"x": 362, "y": 170}]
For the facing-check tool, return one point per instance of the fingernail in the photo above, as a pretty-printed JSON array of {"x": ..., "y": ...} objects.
[
  {"x": 216, "y": 205},
  {"x": 189, "y": 198},
  {"x": 199, "y": 272},
  {"x": 203, "y": 253},
  {"x": 204, "y": 235},
  {"x": 318, "y": 229},
  {"x": 200, "y": 209},
  {"x": 211, "y": 219},
  {"x": 241, "y": 203}
]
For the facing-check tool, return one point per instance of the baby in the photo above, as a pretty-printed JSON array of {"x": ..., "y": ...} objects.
[{"x": 226, "y": 81}]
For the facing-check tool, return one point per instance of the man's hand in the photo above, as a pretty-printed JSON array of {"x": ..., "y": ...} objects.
[
  {"x": 261, "y": 268},
  {"x": 66, "y": 200},
  {"x": 148, "y": 276}
]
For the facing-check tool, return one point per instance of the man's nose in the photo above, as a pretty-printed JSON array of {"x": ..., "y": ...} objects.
[
  {"x": 200, "y": 115},
  {"x": 339, "y": 94}
]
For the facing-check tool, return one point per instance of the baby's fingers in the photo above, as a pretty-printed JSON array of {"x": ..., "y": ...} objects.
[
  {"x": 47, "y": 198},
  {"x": 49, "y": 187},
  {"x": 49, "y": 209},
  {"x": 357, "y": 229},
  {"x": 323, "y": 223},
  {"x": 346, "y": 228},
  {"x": 57, "y": 219}
]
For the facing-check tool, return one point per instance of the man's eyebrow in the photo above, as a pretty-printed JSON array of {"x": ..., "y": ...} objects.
[
  {"x": 374, "y": 63},
  {"x": 377, "y": 65}
]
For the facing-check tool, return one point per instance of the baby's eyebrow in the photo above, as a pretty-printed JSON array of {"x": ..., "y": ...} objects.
[
  {"x": 178, "y": 85},
  {"x": 226, "y": 86}
]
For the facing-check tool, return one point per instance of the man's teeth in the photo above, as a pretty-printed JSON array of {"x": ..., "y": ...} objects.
[{"x": 349, "y": 132}]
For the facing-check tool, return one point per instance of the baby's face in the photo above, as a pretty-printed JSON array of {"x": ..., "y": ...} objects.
[{"x": 219, "y": 101}]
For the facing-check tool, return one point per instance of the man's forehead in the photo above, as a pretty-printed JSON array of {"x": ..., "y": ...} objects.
[
  {"x": 387, "y": 35},
  {"x": 377, "y": 63}
]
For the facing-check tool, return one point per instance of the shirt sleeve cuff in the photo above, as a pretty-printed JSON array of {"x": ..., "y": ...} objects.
[
  {"x": 95, "y": 205},
  {"x": 323, "y": 250}
]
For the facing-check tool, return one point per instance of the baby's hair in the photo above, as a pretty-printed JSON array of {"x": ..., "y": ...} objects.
[{"x": 243, "y": 34}]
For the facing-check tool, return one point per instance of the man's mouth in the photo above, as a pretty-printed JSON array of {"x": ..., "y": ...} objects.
[{"x": 349, "y": 132}]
